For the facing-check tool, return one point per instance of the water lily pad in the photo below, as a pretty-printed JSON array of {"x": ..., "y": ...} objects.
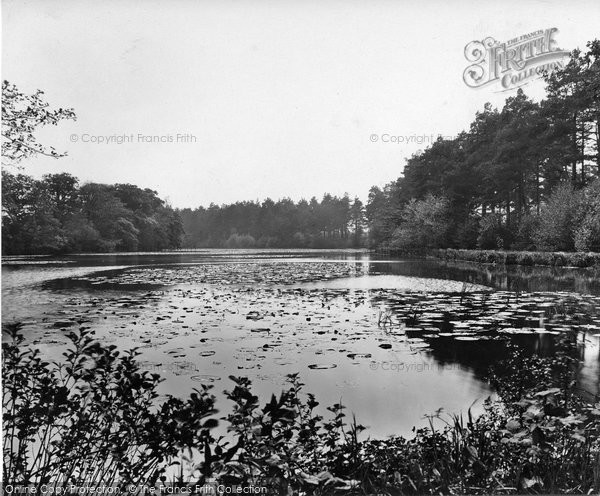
[
  {"x": 359, "y": 355},
  {"x": 205, "y": 378}
]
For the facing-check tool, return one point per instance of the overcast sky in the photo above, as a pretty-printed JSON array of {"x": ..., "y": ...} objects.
[{"x": 281, "y": 97}]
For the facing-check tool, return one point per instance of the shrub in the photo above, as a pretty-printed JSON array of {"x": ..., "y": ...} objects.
[
  {"x": 512, "y": 258},
  {"x": 424, "y": 224},
  {"x": 466, "y": 233},
  {"x": 524, "y": 238},
  {"x": 525, "y": 259},
  {"x": 584, "y": 259},
  {"x": 240, "y": 241},
  {"x": 268, "y": 242},
  {"x": 520, "y": 257},
  {"x": 587, "y": 233},
  {"x": 492, "y": 233},
  {"x": 498, "y": 257},
  {"x": 558, "y": 219},
  {"x": 91, "y": 417}
]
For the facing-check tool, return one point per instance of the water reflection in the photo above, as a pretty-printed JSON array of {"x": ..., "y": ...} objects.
[
  {"x": 475, "y": 329},
  {"x": 511, "y": 277},
  {"x": 505, "y": 277}
]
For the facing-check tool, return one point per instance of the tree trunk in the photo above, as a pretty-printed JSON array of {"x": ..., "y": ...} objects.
[
  {"x": 598, "y": 145},
  {"x": 574, "y": 144},
  {"x": 537, "y": 188},
  {"x": 583, "y": 138}
]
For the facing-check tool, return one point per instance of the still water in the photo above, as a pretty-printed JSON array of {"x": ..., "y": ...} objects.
[{"x": 394, "y": 340}]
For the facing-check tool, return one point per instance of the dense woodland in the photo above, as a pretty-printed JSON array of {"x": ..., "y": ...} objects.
[
  {"x": 330, "y": 223},
  {"x": 524, "y": 177},
  {"x": 56, "y": 214}
]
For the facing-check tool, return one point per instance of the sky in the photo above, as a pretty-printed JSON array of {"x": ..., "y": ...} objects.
[{"x": 257, "y": 99}]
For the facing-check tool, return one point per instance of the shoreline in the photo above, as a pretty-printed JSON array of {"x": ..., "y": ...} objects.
[{"x": 575, "y": 260}]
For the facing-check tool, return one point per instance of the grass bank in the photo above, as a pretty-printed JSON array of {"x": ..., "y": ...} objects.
[{"x": 550, "y": 259}]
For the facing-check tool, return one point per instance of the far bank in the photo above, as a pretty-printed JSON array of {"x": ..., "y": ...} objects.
[{"x": 501, "y": 257}]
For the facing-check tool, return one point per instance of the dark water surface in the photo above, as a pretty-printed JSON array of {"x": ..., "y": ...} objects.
[{"x": 200, "y": 317}]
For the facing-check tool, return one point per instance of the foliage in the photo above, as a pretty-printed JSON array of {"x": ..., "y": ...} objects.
[
  {"x": 465, "y": 233},
  {"x": 524, "y": 238},
  {"x": 21, "y": 115},
  {"x": 557, "y": 431},
  {"x": 96, "y": 417},
  {"x": 331, "y": 223},
  {"x": 285, "y": 444},
  {"x": 587, "y": 232},
  {"x": 55, "y": 214},
  {"x": 492, "y": 233},
  {"x": 521, "y": 169},
  {"x": 521, "y": 257},
  {"x": 383, "y": 213},
  {"x": 557, "y": 220},
  {"x": 240, "y": 241},
  {"x": 92, "y": 417},
  {"x": 424, "y": 224}
]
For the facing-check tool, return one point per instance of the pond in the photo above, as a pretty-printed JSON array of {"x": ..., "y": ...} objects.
[{"x": 394, "y": 340}]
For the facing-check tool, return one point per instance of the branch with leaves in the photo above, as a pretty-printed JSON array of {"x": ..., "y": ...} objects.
[{"x": 22, "y": 115}]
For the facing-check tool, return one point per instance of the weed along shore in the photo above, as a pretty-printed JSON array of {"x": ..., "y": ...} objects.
[
  {"x": 500, "y": 257},
  {"x": 527, "y": 258}
]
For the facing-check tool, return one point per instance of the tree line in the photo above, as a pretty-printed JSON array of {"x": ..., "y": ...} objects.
[
  {"x": 333, "y": 222},
  {"x": 526, "y": 176},
  {"x": 522, "y": 177},
  {"x": 55, "y": 214}
]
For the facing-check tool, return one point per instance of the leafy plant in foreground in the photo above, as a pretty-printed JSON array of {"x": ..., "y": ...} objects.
[
  {"x": 92, "y": 418},
  {"x": 96, "y": 419}
]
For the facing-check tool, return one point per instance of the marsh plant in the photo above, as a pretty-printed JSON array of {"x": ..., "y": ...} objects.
[{"x": 96, "y": 419}]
